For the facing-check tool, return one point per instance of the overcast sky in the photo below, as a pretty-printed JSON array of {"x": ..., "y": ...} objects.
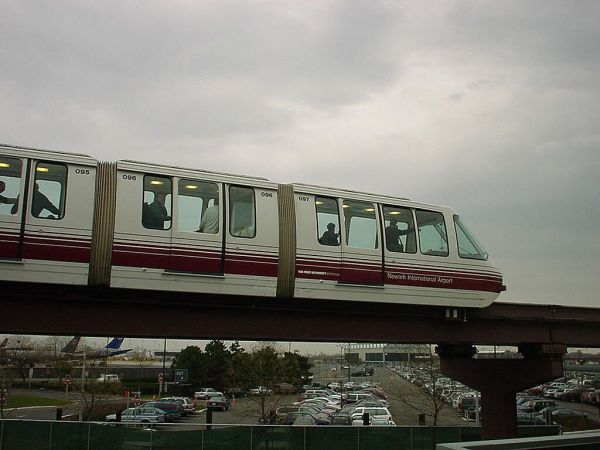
[{"x": 489, "y": 107}]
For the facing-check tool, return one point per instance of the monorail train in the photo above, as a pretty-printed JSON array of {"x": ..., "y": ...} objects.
[{"x": 69, "y": 219}]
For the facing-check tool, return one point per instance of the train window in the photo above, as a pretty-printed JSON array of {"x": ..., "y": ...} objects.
[
  {"x": 468, "y": 245},
  {"x": 242, "y": 212},
  {"x": 10, "y": 185},
  {"x": 328, "y": 221},
  {"x": 361, "y": 224},
  {"x": 156, "y": 207},
  {"x": 49, "y": 191},
  {"x": 400, "y": 233},
  {"x": 433, "y": 238},
  {"x": 198, "y": 206}
]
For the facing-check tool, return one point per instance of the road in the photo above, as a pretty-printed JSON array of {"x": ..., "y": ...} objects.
[{"x": 407, "y": 401}]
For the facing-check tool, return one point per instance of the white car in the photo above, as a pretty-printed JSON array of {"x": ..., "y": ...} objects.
[
  {"x": 375, "y": 413},
  {"x": 374, "y": 422},
  {"x": 260, "y": 391},
  {"x": 109, "y": 378},
  {"x": 204, "y": 393}
]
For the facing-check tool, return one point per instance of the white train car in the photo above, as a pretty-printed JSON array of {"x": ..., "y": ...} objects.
[
  {"x": 46, "y": 213},
  {"x": 388, "y": 250},
  {"x": 172, "y": 233},
  {"x": 136, "y": 225}
]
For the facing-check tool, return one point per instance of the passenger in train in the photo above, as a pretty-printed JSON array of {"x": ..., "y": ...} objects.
[
  {"x": 210, "y": 220},
  {"x": 41, "y": 203},
  {"x": 330, "y": 237},
  {"x": 155, "y": 214},
  {"x": 247, "y": 231},
  {"x": 8, "y": 200},
  {"x": 392, "y": 236}
]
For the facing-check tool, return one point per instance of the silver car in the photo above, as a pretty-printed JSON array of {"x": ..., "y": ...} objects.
[
  {"x": 187, "y": 405},
  {"x": 139, "y": 414}
]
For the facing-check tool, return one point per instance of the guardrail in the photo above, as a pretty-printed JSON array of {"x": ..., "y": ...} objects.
[
  {"x": 574, "y": 441},
  {"x": 57, "y": 435}
]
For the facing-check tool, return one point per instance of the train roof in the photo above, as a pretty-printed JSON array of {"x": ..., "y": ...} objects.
[
  {"x": 43, "y": 153},
  {"x": 378, "y": 198},
  {"x": 187, "y": 171},
  {"x": 350, "y": 191}
]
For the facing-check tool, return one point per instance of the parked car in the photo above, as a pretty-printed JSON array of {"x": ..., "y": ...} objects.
[
  {"x": 171, "y": 408},
  {"x": 376, "y": 413},
  {"x": 557, "y": 414},
  {"x": 219, "y": 402},
  {"x": 260, "y": 390},
  {"x": 285, "y": 389},
  {"x": 359, "y": 396},
  {"x": 202, "y": 394},
  {"x": 378, "y": 392},
  {"x": 320, "y": 419},
  {"x": 524, "y": 418},
  {"x": 187, "y": 405},
  {"x": 108, "y": 378},
  {"x": 535, "y": 406},
  {"x": 302, "y": 421},
  {"x": 210, "y": 395},
  {"x": 373, "y": 421},
  {"x": 341, "y": 419},
  {"x": 140, "y": 414},
  {"x": 283, "y": 411}
]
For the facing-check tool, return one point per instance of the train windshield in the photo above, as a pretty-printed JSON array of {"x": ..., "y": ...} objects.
[{"x": 468, "y": 245}]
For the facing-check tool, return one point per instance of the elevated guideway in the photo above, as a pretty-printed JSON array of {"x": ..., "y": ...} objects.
[
  {"x": 542, "y": 332},
  {"x": 63, "y": 310}
]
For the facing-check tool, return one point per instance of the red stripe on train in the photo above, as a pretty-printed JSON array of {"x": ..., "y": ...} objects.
[
  {"x": 57, "y": 249},
  {"x": 193, "y": 261}
]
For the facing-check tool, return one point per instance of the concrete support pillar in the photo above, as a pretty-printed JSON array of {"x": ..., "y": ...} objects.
[{"x": 499, "y": 380}]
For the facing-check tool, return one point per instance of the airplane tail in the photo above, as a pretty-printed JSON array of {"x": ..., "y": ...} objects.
[
  {"x": 115, "y": 344},
  {"x": 4, "y": 343},
  {"x": 71, "y": 345}
]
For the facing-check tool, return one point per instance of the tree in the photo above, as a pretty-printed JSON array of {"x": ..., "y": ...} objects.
[
  {"x": 54, "y": 357},
  {"x": 263, "y": 370},
  {"x": 192, "y": 358},
  {"x": 6, "y": 384},
  {"x": 92, "y": 391},
  {"x": 24, "y": 356},
  {"x": 217, "y": 360},
  {"x": 295, "y": 368}
]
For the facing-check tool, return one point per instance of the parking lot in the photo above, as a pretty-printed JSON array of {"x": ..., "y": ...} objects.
[{"x": 407, "y": 401}]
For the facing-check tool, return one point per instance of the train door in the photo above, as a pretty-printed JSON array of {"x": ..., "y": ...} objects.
[
  {"x": 361, "y": 244},
  {"x": 12, "y": 187},
  {"x": 319, "y": 254},
  {"x": 400, "y": 245},
  {"x": 60, "y": 210},
  {"x": 143, "y": 224},
  {"x": 252, "y": 242},
  {"x": 197, "y": 237}
]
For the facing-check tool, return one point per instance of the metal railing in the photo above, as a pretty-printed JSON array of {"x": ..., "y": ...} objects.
[{"x": 60, "y": 435}]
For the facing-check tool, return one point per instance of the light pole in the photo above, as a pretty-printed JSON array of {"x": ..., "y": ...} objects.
[{"x": 162, "y": 380}]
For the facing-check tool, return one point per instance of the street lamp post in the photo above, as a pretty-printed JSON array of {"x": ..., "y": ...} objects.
[{"x": 162, "y": 380}]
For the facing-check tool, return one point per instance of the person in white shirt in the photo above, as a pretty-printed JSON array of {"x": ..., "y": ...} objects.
[{"x": 210, "y": 219}]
